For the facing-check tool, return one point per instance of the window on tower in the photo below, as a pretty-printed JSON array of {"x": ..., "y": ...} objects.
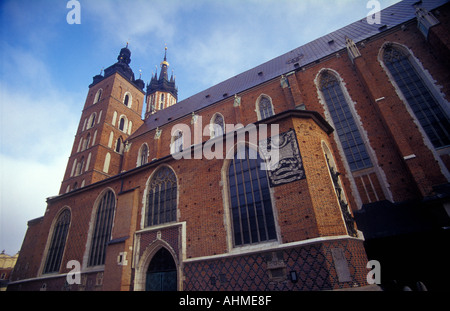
[
  {"x": 122, "y": 124},
  {"x": 91, "y": 121},
  {"x": 127, "y": 100},
  {"x": 87, "y": 141},
  {"x": 161, "y": 104},
  {"x": 98, "y": 96},
  {"x": 119, "y": 145}
]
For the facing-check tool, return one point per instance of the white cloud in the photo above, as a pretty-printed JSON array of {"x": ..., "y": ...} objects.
[
  {"x": 36, "y": 139},
  {"x": 120, "y": 22},
  {"x": 25, "y": 185},
  {"x": 37, "y": 126}
]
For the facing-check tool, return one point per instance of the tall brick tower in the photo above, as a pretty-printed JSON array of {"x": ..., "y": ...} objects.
[
  {"x": 161, "y": 92},
  {"x": 112, "y": 111}
]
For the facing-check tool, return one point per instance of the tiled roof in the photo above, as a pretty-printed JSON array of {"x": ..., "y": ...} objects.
[{"x": 329, "y": 44}]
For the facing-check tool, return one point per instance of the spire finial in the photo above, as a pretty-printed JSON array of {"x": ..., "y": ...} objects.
[
  {"x": 164, "y": 62},
  {"x": 165, "y": 52}
]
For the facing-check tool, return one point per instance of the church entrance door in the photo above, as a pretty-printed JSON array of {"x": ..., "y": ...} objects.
[{"x": 162, "y": 272}]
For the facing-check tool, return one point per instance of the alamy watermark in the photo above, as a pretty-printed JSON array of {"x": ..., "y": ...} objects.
[
  {"x": 374, "y": 16},
  {"x": 374, "y": 275},
  {"x": 74, "y": 15},
  {"x": 226, "y": 146},
  {"x": 74, "y": 275}
]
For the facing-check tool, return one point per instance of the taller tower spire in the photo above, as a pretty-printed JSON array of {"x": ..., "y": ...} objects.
[{"x": 161, "y": 92}]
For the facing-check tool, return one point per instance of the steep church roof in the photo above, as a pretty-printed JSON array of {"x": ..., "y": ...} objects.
[{"x": 302, "y": 56}]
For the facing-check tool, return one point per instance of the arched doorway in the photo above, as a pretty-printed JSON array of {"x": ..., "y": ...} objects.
[{"x": 162, "y": 272}]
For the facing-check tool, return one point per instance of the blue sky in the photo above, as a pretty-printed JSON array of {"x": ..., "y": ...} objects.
[{"x": 46, "y": 66}]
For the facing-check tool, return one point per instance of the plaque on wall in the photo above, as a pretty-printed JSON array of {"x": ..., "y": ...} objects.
[
  {"x": 288, "y": 166},
  {"x": 341, "y": 265}
]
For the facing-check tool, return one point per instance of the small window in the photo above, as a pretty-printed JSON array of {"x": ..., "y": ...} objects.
[
  {"x": 122, "y": 124},
  {"x": 98, "y": 96},
  {"x": 217, "y": 125},
  {"x": 265, "y": 108},
  {"x": 91, "y": 121},
  {"x": 161, "y": 103},
  {"x": 80, "y": 166},
  {"x": 143, "y": 155},
  {"x": 119, "y": 145},
  {"x": 126, "y": 100},
  {"x": 87, "y": 141},
  {"x": 177, "y": 142}
]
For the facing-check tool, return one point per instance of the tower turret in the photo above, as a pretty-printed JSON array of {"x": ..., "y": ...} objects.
[
  {"x": 111, "y": 113},
  {"x": 161, "y": 92}
]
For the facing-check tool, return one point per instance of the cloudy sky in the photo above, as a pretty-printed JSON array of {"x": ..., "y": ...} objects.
[{"x": 47, "y": 64}]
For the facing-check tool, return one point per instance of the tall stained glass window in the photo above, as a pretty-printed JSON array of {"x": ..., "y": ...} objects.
[
  {"x": 344, "y": 122},
  {"x": 427, "y": 110},
  {"x": 250, "y": 203}
]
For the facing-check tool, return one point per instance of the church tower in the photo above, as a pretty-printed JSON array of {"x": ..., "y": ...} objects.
[
  {"x": 162, "y": 92},
  {"x": 111, "y": 113}
]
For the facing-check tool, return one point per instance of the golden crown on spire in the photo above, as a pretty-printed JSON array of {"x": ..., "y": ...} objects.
[{"x": 165, "y": 62}]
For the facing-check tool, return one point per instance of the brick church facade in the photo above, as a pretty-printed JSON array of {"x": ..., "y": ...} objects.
[{"x": 179, "y": 199}]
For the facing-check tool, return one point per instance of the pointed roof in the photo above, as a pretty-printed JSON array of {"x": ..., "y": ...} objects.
[
  {"x": 163, "y": 84},
  {"x": 122, "y": 66}
]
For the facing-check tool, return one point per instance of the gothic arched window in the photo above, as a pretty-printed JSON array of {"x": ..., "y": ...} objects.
[
  {"x": 162, "y": 197},
  {"x": 122, "y": 124},
  {"x": 87, "y": 141},
  {"x": 119, "y": 145},
  {"x": 265, "y": 108},
  {"x": 217, "y": 125},
  {"x": 250, "y": 203},
  {"x": 143, "y": 155},
  {"x": 80, "y": 166},
  {"x": 102, "y": 229},
  {"x": 177, "y": 142},
  {"x": 58, "y": 243},
  {"x": 126, "y": 99},
  {"x": 434, "y": 121},
  {"x": 98, "y": 96},
  {"x": 344, "y": 122},
  {"x": 91, "y": 121}
]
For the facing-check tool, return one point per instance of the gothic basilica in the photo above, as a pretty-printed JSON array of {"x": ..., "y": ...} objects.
[{"x": 302, "y": 173}]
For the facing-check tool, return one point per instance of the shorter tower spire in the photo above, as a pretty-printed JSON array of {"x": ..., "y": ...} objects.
[{"x": 161, "y": 92}]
